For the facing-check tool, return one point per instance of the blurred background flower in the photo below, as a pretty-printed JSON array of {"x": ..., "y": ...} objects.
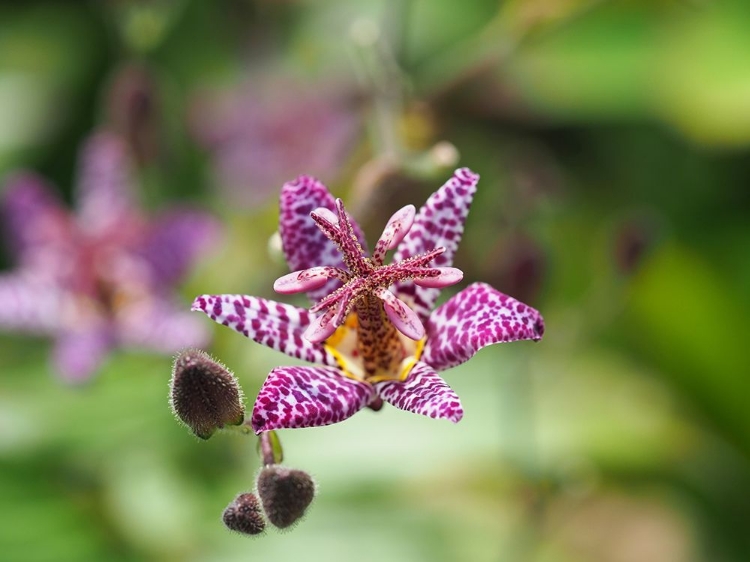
[
  {"x": 612, "y": 139},
  {"x": 269, "y": 130},
  {"x": 99, "y": 277}
]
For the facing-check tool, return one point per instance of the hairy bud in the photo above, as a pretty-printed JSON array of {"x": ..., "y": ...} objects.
[
  {"x": 285, "y": 493},
  {"x": 204, "y": 395},
  {"x": 244, "y": 515}
]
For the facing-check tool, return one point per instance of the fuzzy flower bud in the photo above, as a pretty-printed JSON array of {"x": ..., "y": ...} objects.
[
  {"x": 244, "y": 515},
  {"x": 285, "y": 493},
  {"x": 204, "y": 395}
]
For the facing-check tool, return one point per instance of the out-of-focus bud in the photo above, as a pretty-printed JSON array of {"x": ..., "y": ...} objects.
[
  {"x": 634, "y": 237},
  {"x": 516, "y": 266},
  {"x": 285, "y": 494},
  {"x": 244, "y": 515},
  {"x": 204, "y": 395},
  {"x": 133, "y": 110}
]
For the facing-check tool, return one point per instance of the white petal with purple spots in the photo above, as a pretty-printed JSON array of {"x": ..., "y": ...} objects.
[
  {"x": 440, "y": 222},
  {"x": 477, "y": 317},
  {"x": 273, "y": 324},
  {"x": 423, "y": 392},
  {"x": 293, "y": 397}
]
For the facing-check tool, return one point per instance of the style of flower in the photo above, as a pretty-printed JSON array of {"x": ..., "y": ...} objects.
[
  {"x": 103, "y": 276},
  {"x": 371, "y": 332}
]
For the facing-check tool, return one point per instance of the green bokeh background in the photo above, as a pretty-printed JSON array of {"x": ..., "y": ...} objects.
[{"x": 601, "y": 130}]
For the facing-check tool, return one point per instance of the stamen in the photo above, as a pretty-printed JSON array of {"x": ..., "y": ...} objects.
[
  {"x": 403, "y": 318},
  {"x": 398, "y": 226},
  {"x": 321, "y": 328},
  {"x": 307, "y": 279},
  {"x": 328, "y": 215},
  {"x": 439, "y": 277},
  {"x": 341, "y": 233}
]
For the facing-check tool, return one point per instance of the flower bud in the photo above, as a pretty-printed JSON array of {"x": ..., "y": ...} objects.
[
  {"x": 244, "y": 515},
  {"x": 634, "y": 238},
  {"x": 204, "y": 395},
  {"x": 285, "y": 493}
]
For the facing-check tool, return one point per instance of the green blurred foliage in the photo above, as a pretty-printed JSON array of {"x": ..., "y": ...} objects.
[{"x": 612, "y": 139}]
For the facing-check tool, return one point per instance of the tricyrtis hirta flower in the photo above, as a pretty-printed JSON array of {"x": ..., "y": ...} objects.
[
  {"x": 103, "y": 276},
  {"x": 371, "y": 331}
]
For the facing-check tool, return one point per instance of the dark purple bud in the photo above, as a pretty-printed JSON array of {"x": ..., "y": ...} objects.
[
  {"x": 633, "y": 238},
  {"x": 133, "y": 110},
  {"x": 204, "y": 395},
  {"x": 285, "y": 493},
  {"x": 516, "y": 266},
  {"x": 244, "y": 515}
]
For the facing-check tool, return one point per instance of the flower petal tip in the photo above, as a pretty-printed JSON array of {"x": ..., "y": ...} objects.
[
  {"x": 200, "y": 304},
  {"x": 539, "y": 328},
  {"x": 447, "y": 276}
]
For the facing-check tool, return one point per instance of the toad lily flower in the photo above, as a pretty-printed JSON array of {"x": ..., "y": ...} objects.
[
  {"x": 103, "y": 276},
  {"x": 371, "y": 331}
]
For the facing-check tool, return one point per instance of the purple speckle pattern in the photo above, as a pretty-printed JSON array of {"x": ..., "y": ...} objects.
[
  {"x": 294, "y": 397},
  {"x": 105, "y": 187},
  {"x": 423, "y": 392},
  {"x": 273, "y": 324},
  {"x": 477, "y": 317},
  {"x": 304, "y": 245},
  {"x": 440, "y": 222}
]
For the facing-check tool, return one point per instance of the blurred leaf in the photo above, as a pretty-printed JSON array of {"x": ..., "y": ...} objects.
[
  {"x": 592, "y": 67},
  {"x": 702, "y": 74},
  {"x": 688, "y": 322},
  {"x": 45, "y": 54}
]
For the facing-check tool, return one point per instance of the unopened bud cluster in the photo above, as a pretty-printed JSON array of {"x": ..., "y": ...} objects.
[
  {"x": 204, "y": 395},
  {"x": 284, "y": 494}
]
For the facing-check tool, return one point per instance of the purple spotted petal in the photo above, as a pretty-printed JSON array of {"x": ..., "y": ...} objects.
[
  {"x": 104, "y": 188},
  {"x": 275, "y": 325},
  {"x": 440, "y": 222},
  {"x": 32, "y": 216},
  {"x": 307, "y": 397},
  {"x": 29, "y": 305},
  {"x": 305, "y": 246},
  {"x": 423, "y": 392},
  {"x": 176, "y": 241},
  {"x": 477, "y": 317},
  {"x": 78, "y": 354},
  {"x": 161, "y": 326}
]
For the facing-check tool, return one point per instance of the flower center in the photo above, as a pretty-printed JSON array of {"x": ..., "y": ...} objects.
[{"x": 374, "y": 335}]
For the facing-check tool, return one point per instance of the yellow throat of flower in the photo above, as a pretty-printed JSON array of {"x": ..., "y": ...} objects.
[{"x": 373, "y": 357}]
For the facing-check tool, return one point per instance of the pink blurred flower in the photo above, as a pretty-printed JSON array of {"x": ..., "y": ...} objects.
[
  {"x": 102, "y": 276},
  {"x": 260, "y": 134}
]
